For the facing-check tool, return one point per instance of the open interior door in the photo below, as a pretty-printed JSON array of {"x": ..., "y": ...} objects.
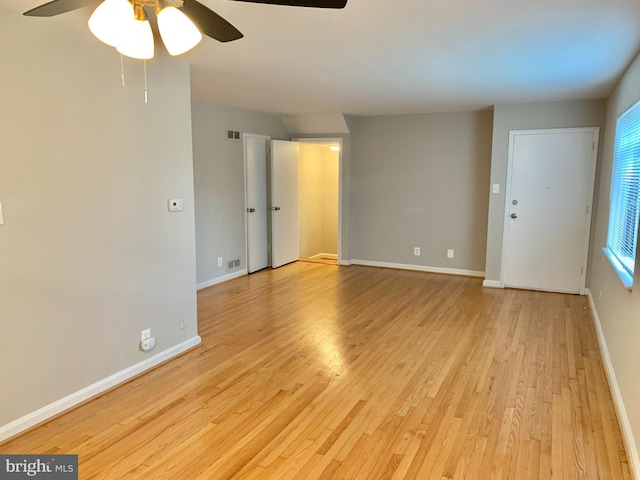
[
  {"x": 285, "y": 227},
  {"x": 257, "y": 216}
]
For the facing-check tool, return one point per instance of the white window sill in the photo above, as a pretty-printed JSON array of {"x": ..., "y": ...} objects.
[{"x": 625, "y": 278}]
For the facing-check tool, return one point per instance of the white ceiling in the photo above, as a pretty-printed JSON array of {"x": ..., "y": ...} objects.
[{"x": 412, "y": 56}]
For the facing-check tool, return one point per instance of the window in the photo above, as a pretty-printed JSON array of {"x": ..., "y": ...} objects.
[{"x": 625, "y": 200}]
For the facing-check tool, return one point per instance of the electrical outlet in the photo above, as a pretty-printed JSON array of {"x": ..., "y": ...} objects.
[
  {"x": 219, "y": 261},
  {"x": 145, "y": 334},
  {"x": 450, "y": 253},
  {"x": 182, "y": 323},
  {"x": 416, "y": 251}
]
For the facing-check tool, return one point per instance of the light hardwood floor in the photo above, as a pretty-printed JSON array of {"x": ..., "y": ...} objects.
[{"x": 318, "y": 372}]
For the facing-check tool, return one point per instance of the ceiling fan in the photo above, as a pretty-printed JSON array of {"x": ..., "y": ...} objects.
[{"x": 190, "y": 18}]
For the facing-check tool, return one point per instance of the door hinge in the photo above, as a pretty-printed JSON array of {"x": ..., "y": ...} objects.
[
  {"x": 587, "y": 210},
  {"x": 593, "y": 146},
  {"x": 581, "y": 270}
]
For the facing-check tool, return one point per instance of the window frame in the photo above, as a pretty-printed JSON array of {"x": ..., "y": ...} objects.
[{"x": 624, "y": 196}]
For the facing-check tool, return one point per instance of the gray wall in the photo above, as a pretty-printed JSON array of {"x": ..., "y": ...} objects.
[
  {"x": 618, "y": 309},
  {"x": 218, "y": 166},
  {"x": 586, "y": 113},
  {"x": 420, "y": 180},
  {"x": 89, "y": 254}
]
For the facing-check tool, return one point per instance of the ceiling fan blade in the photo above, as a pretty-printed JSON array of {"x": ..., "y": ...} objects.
[
  {"x": 57, "y": 7},
  {"x": 209, "y": 22},
  {"x": 303, "y": 3}
]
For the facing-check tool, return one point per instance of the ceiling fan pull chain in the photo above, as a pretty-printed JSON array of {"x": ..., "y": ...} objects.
[
  {"x": 146, "y": 96},
  {"x": 122, "y": 70}
]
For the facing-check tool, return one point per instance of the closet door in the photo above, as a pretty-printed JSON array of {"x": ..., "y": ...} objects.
[{"x": 285, "y": 225}]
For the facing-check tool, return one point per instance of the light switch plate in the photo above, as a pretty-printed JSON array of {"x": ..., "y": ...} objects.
[
  {"x": 496, "y": 188},
  {"x": 1, "y": 217}
]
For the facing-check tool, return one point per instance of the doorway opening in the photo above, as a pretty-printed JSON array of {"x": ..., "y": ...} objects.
[
  {"x": 302, "y": 176},
  {"x": 319, "y": 200}
]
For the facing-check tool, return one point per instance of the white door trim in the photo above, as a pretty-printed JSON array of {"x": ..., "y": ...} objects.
[
  {"x": 339, "y": 142},
  {"x": 267, "y": 139},
  {"x": 505, "y": 225}
]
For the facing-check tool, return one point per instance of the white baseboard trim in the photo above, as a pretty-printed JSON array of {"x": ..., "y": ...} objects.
[
  {"x": 31, "y": 419},
  {"x": 346, "y": 263},
  {"x": 621, "y": 411},
  {"x": 224, "y": 278},
  {"x": 326, "y": 255},
  {"x": 492, "y": 284},
  {"x": 419, "y": 268}
]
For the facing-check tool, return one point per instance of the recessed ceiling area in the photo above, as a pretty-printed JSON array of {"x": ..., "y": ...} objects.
[{"x": 379, "y": 57}]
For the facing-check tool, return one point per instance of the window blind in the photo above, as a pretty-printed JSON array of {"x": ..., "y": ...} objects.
[{"x": 625, "y": 188}]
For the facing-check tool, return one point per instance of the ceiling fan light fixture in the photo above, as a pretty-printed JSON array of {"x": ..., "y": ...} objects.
[
  {"x": 107, "y": 21},
  {"x": 178, "y": 32},
  {"x": 137, "y": 41}
]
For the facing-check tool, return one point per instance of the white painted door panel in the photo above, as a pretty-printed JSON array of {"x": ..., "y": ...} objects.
[
  {"x": 256, "y": 199},
  {"x": 285, "y": 225},
  {"x": 548, "y": 210}
]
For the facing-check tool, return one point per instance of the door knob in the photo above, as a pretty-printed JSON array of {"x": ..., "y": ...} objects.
[
  {"x": 514, "y": 215},
  {"x": 251, "y": 210},
  {"x": 276, "y": 208}
]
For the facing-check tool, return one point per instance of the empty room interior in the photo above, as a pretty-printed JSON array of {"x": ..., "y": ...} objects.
[{"x": 322, "y": 240}]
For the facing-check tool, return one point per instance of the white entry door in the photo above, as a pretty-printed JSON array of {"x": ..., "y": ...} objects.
[
  {"x": 285, "y": 225},
  {"x": 548, "y": 211},
  {"x": 255, "y": 155}
]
